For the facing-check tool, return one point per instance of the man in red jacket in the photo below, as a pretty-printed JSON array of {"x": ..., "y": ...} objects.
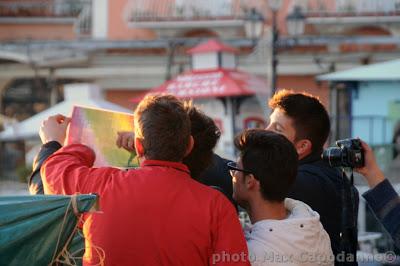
[{"x": 155, "y": 214}]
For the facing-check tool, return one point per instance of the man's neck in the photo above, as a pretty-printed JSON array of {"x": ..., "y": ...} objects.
[
  {"x": 260, "y": 209},
  {"x": 310, "y": 158}
]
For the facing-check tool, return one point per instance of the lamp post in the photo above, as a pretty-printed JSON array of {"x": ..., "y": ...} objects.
[
  {"x": 274, "y": 5},
  {"x": 295, "y": 25},
  {"x": 253, "y": 25}
]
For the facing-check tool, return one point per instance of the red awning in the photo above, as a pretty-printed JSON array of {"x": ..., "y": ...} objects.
[{"x": 210, "y": 84}]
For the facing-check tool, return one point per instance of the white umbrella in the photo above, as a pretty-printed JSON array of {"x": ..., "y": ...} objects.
[
  {"x": 7, "y": 121},
  {"x": 75, "y": 94}
]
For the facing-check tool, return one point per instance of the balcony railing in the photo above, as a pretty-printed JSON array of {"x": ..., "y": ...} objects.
[
  {"x": 171, "y": 10},
  {"x": 42, "y": 8},
  {"x": 83, "y": 25},
  {"x": 343, "y": 8},
  {"x": 374, "y": 129}
]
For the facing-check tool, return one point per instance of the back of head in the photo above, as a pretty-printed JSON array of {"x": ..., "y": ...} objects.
[
  {"x": 272, "y": 159},
  {"x": 205, "y": 134},
  {"x": 163, "y": 126},
  {"x": 311, "y": 120}
]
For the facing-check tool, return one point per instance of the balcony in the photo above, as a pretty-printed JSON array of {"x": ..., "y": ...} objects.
[
  {"x": 342, "y": 15},
  {"x": 349, "y": 8},
  {"x": 169, "y": 17},
  {"x": 41, "y": 8},
  {"x": 76, "y": 13}
]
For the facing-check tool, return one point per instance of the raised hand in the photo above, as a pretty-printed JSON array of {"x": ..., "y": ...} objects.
[
  {"x": 54, "y": 128},
  {"x": 126, "y": 140}
]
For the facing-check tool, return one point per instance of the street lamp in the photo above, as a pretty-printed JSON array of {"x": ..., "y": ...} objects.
[
  {"x": 295, "y": 22},
  {"x": 295, "y": 26},
  {"x": 253, "y": 24}
]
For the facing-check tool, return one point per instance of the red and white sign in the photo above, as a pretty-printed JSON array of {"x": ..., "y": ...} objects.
[{"x": 212, "y": 83}]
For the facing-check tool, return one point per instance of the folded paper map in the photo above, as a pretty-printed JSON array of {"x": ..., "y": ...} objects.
[{"x": 98, "y": 128}]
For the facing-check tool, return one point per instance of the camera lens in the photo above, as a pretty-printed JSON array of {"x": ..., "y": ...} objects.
[{"x": 333, "y": 156}]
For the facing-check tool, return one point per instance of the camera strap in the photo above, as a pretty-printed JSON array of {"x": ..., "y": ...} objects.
[
  {"x": 351, "y": 178},
  {"x": 349, "y": 223}
]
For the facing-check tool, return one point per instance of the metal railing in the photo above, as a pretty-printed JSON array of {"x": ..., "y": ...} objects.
[
  {"x": 42, "y": 8},
  {"x": 351, "y": 7},
  {"x": 83, "y": 25},
  {"x": 177, "y": 10},
  {"x": 374, "y": 129},
  {"x": 170, "y": 10}
]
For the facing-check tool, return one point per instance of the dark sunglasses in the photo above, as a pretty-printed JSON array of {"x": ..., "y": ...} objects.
[{"x": 233, "y": 168}]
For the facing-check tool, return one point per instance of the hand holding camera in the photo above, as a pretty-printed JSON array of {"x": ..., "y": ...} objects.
[
  {"x": 371, "y": 171},
  {"x": 348, "y": 153},
  {"x": 355, "y": 153}
]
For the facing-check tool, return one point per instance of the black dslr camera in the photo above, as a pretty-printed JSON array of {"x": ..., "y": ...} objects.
[{"x": 349, "y": 153}]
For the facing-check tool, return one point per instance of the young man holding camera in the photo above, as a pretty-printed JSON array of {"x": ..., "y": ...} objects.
[
  {"x": 283, "y": 231},
  {"x": 305, "y": 122}
]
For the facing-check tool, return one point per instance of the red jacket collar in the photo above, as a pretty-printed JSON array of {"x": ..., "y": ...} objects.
[{"x": 176, "y": 165}]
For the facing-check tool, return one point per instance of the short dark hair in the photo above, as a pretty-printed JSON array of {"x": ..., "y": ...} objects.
[
  {"x": 163, "y": 125},
  {"x": 271, "y": 158},
  {"x": 311, "y": 120},
  {"x": 206, "y": 135}
]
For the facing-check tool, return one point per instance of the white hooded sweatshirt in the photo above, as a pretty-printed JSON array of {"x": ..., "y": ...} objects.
[{"x": 297, "y": 240}]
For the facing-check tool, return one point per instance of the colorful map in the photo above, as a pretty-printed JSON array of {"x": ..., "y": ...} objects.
[{"x": 97, "y": 128}]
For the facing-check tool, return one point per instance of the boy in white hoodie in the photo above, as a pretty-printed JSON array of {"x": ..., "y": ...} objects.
[{"x": 284, "y": 231}]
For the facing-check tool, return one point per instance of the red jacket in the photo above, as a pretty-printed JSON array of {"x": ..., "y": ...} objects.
[{"x": 154, "y": 215}]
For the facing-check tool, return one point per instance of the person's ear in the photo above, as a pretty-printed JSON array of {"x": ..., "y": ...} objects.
[
  {"x": 139, "y": 147},
  {"x": 303, "y": 148},
  {"x": 190, "y": 146},
  {"x": 251, "y": 182}
]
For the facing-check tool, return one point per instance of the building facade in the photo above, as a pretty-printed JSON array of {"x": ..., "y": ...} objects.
[{"x": 130, "y": 46}]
